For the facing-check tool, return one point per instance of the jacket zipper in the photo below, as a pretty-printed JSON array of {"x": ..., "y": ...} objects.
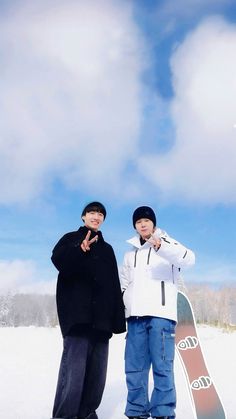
[
  {"x": 149, "y": 253},
  {"x": 163, "y": 297},
  {"x": 135, "y": 257}
]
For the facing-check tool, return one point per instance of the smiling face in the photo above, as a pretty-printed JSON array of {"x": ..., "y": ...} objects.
[
  {"x": 93, "y": 220},
  {"x": 145, "y": 228}
]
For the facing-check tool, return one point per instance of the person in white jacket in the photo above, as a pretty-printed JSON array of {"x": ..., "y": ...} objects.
[{"x": 149, "y": 281}]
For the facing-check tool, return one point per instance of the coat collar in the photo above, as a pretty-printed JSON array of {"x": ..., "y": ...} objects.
[
  {"x": 135, "y": 241},
  {"x": 84, "y": 230}
]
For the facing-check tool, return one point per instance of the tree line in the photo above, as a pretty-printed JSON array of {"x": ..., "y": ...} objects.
[
  {"x": 211, "y": 306},
  {"x": 28, "y": 310}
]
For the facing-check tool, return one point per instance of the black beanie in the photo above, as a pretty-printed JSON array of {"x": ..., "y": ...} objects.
[
  {"x": 144, "y": 212},
  {"x": 95, "y": 206}
]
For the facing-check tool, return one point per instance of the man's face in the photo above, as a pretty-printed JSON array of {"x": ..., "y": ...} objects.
[
  {"x": 93, "y": 220},
  {"x": 144, "y": 227}
]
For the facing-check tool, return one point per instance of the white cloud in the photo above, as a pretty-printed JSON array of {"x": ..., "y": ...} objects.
[
  {"x": 70, "y": 95},
  {"x": 200, "y": 167},
  {"x": 22, "y": 276},
  {"x": 71, "y": 106}
]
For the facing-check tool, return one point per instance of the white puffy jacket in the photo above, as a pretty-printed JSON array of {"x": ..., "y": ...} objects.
[{"x": 149, "y": 278}]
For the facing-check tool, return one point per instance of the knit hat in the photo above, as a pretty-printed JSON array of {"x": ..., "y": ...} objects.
[
  {"x": 144, "y": 212},
  {"x": 94, "y": 206}
]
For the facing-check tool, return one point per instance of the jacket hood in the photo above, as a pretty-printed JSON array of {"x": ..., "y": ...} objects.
[{"x": 134, "y": 241}]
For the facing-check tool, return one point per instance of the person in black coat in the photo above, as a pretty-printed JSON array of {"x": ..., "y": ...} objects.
[{"x": 90, "y": 309}]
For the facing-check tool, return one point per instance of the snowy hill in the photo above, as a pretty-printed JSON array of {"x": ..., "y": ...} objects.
[{"x": 29, "y": 361}]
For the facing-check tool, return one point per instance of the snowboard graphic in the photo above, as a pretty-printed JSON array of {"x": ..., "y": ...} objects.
[{"x": 205, "y": 399}]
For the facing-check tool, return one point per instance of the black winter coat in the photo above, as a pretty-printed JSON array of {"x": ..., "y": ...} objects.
[{"x": 88, "y": 287}]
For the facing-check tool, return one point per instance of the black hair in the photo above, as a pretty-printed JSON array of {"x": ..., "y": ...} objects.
[{"x": 94, "y": 206}]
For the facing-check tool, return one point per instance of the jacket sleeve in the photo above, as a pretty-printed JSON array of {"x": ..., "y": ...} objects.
[
  {"x": 124, "y": 274},
  {"x": 119, "y": 323},
  {"x": 67, "y": 255},
  {"x": 175, "y": 252}
]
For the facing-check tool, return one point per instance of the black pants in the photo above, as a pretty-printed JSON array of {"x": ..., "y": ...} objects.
[{"x": 82, "y": 376}]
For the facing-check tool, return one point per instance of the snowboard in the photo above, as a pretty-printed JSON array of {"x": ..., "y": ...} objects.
[{"x": 206, "y": 402}]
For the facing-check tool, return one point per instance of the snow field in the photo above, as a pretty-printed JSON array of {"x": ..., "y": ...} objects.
[{"x": 29, "y": 362}]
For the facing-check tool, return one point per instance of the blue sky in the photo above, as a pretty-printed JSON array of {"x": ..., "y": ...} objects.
[{"x": 127, "y": 102}]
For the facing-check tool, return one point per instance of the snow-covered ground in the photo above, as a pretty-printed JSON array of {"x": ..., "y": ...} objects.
[{"x": 29, "y": 361}]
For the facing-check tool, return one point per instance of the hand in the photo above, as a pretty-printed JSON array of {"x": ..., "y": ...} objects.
[
  {"x": 85, "y": 245},
  {"x": 155, "y": 242}
]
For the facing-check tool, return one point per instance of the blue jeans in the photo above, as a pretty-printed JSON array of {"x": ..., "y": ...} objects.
[
  {"x": 82, "y": 377},
  {"x": 150, "y": 342}
]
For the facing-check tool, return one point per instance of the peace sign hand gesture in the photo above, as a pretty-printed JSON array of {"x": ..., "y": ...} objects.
[
  {"x": 155, "y": 242},
  {"x": 85, "y": 245}
]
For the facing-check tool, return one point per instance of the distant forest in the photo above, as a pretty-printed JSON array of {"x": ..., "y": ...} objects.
[
  {"x": 28, "y": 310},
  {"x": 215, "y": 307},
  {"x": 211, "y": 306}
]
